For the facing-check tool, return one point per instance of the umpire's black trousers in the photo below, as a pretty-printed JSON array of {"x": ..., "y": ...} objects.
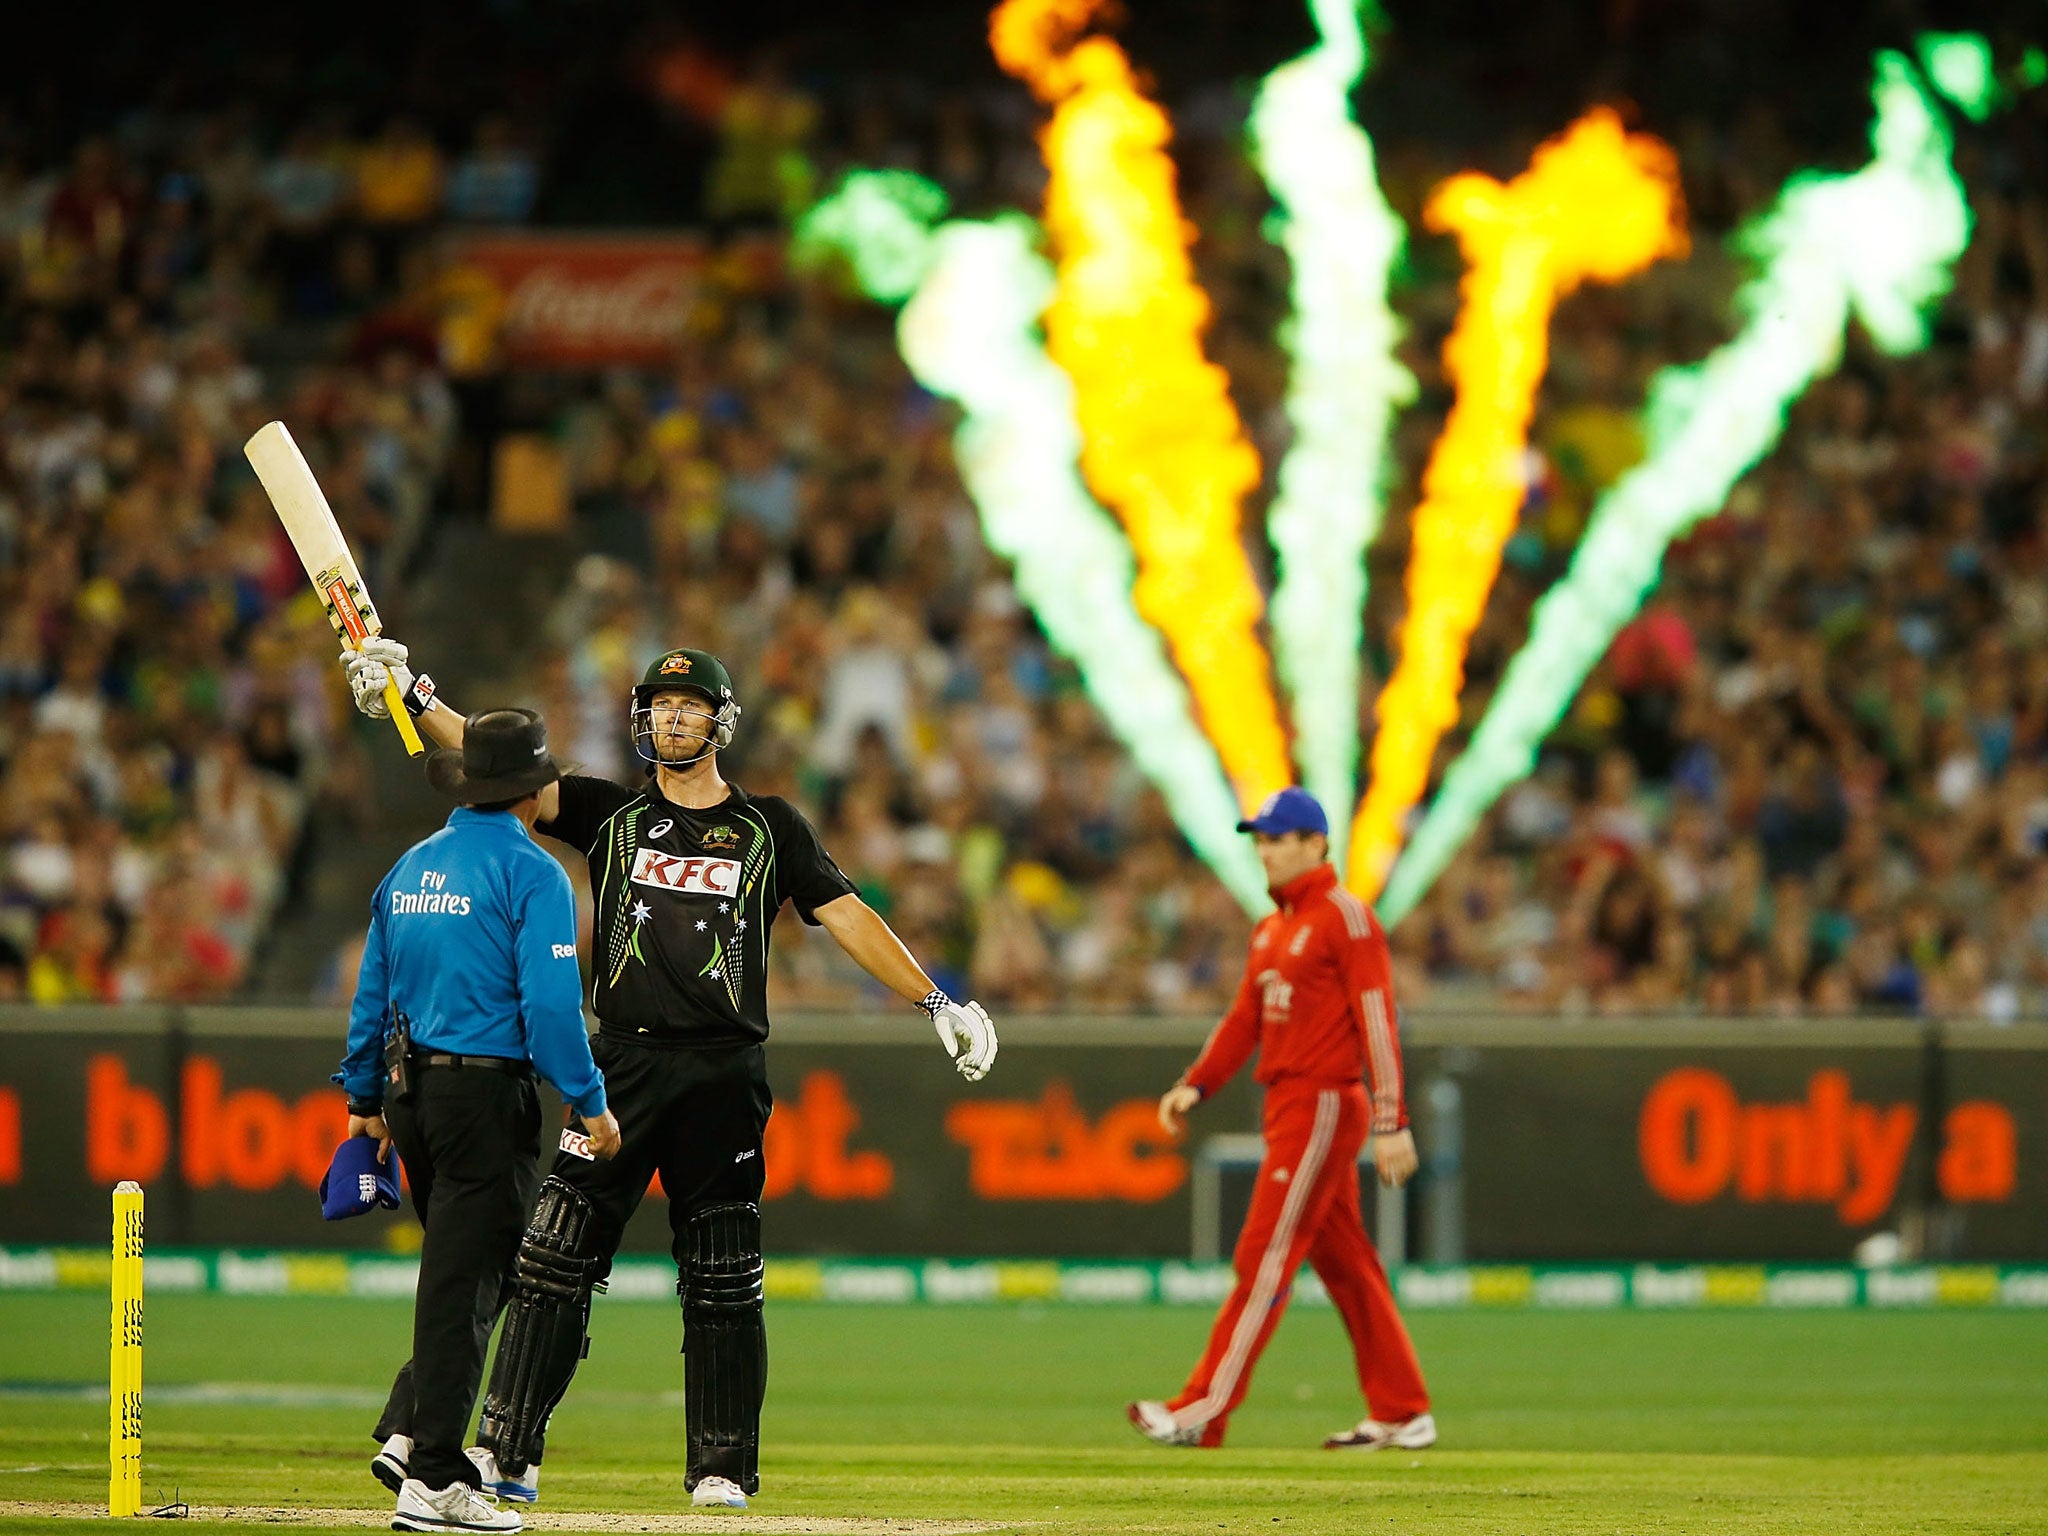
[{"x": 470, "y": 1140}]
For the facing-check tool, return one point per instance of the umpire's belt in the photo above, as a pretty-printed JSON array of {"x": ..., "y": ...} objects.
[{"x": 488, "y": 1063}]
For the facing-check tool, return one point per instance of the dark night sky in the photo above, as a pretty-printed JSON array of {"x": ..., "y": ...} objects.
[{"x": 1462, "y": 71}]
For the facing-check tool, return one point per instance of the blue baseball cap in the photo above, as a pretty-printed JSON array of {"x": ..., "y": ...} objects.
[
  {"x": 1288, "y": 810},
  {"x": 356, "y": 1183}
]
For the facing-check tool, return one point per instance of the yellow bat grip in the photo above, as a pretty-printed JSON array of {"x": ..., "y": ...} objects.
[{"x": 401, "y": 719}]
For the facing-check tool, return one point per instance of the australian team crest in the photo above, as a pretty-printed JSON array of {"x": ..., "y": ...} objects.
[
  {"x": 676, "y": 663},
  {"x": 721, "y": 840}
]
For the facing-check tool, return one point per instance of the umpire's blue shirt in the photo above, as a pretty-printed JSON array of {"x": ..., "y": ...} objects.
[{"x": 473, "y": 939}]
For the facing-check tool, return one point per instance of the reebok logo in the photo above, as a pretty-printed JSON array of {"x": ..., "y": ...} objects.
[
  {"x": 693, "y": 877},
  {"x": 564, "y": 951}
]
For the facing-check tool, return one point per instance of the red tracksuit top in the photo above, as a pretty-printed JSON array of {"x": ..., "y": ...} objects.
[{"x": 1317, "y": 1001}]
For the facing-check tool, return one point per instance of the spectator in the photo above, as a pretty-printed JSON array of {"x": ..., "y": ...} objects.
[{"x": 497, "y": 182}]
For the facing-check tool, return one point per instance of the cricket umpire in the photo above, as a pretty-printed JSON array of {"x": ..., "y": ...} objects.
[
  {"x": 468, "y": 984},
  {"x": 688, "y": 872}
]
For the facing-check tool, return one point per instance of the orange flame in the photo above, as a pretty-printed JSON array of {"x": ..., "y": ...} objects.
[
  {"x": 1162, "y": 442},
  {"x": 1595, "y": 204}
]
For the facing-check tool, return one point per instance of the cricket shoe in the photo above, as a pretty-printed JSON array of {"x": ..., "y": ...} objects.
[
  {"x": 1155, "y": 1421},
  {"x": 718, "y": 1493},
  {"x": 1416, "y": 1434},
  {"x": 523, "y": 1489},
  {"x": 392, "y": 1465},
  {"x": 458, "y": 1507}
]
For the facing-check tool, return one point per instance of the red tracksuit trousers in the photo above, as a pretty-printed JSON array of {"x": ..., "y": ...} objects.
[{"x": 1305, "y": 1206}]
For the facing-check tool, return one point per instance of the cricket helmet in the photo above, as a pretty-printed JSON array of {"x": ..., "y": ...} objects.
[{"x": 697, "y": 672}]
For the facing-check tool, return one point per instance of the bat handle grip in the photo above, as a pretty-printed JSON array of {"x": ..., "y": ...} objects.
[{"x": 401, "y": 719}]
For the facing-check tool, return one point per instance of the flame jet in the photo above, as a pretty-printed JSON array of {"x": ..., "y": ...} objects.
[
  {"x": 1341, "y": 240},
  {"x": 1878, "y": 246},
  {"x": 969, "y": 332},
  {"x": 1162, "y": 443},
  {"x": 1597, "y": 204}
]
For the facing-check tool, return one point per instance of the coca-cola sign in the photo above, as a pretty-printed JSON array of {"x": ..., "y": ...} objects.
[{"x": 579, "y": 301}]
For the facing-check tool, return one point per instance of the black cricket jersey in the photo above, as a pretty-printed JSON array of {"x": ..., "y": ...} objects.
[{"x": 685, "y": 899}]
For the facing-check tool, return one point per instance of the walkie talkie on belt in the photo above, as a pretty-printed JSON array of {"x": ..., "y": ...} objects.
[{"x": 398, "y": 1060}]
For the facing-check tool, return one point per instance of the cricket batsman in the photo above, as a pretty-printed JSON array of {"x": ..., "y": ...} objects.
[
  {"x": 1317, "y": 1003},
  {"x": 689, "y": 872}
]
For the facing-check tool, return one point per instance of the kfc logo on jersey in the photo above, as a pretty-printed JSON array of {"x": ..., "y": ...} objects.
[{"x": 691, "y": 877}]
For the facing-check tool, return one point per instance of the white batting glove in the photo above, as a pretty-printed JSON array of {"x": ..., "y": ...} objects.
[
  {"x": 967, "y": 1033},
  {"x": 378, "y": 662}
]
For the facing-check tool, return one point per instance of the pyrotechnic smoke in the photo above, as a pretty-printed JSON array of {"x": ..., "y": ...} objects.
[
  {"x": 1161, "y": 441},
  {"x": 1341, "y": 239},
  {"x": 1879, "y": 245},
  {"x": 970, "y": 333},
  {"x": 1596, "y": 204}
]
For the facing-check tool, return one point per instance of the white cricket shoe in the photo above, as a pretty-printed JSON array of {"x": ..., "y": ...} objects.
[
  {"x": 458, "y": 1507},
  {"x": 1416, "y": 1434},
  {"x": 523, "y": 1489},
  {"x": 391, "y": 1466},
  {"x": 718, "y": 1493},
  {"x": 1155, "y": 1421}
]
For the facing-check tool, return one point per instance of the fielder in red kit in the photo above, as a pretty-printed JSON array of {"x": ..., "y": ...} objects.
[{"x": 1317, "y": 1003}]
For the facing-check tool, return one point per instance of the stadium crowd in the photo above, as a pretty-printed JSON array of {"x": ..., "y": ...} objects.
[
  {"x": 1812, "y": 777},
  {"x": 168, "y": 721}
]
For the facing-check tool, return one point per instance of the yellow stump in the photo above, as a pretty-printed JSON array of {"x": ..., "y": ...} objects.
[{"x": 124, "y": 1370}]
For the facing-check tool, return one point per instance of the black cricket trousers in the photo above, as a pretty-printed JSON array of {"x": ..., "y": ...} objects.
[{"x": 470, "y": 1140}]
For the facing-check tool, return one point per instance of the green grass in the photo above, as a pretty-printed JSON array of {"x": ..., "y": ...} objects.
[{"x": 1862, "y": 1422}]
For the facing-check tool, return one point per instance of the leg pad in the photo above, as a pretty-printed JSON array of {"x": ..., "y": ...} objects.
[
  {"x": 725, "y": 1343},
  {"x": 545, "y": 1322}
]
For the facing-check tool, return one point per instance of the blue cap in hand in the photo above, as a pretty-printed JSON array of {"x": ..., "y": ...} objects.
[{"x": 356, "y": 1183}]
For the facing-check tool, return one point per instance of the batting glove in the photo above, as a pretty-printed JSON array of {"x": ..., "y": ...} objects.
[
  {"x": 967, "y": 1033},
  {"x": 380, "y": 661}
]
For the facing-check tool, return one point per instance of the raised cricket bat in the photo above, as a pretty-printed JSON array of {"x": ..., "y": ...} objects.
[{"x": 302, "y": 508}]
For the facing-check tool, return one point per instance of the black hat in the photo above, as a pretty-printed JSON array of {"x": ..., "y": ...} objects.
[{"x": 504, "y": 756}]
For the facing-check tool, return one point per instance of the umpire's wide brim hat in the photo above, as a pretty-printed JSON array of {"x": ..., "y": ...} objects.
[{"x": 504, "y": 756}]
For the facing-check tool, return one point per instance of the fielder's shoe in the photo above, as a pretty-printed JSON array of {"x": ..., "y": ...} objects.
[
  {"x": 718, "y": 1493},
  {"x": 523, "y": 1489},
  {"x": 1155, "y": 1421},
  {"x": 458, "y": 1507},
  {"x": 1416, "y": 1434},
  {"x": 389, "y": 1466}
]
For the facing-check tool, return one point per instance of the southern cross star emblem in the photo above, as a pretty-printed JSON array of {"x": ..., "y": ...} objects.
[
  {"x": 641, "y": 912},
  {"x": 743, "y": 925},
  {"x": 725, "y": 906},
  {"x": 702, "y": 925}
]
